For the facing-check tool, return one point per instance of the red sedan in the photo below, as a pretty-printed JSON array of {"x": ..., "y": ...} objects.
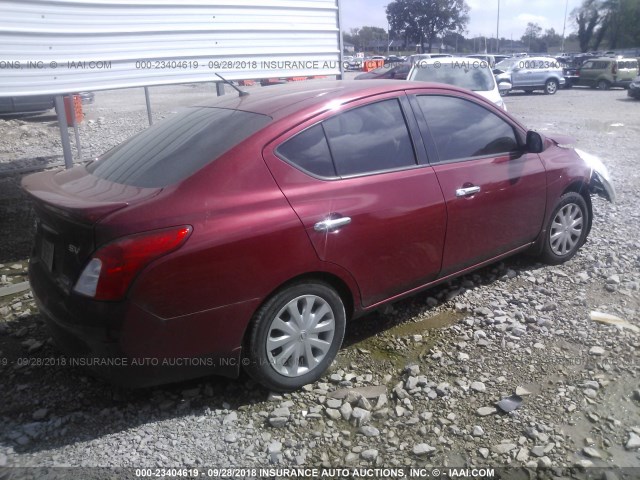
[{"x": 248, "y": 231}]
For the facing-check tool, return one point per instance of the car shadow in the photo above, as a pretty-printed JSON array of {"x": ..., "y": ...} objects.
[{"x": 49, "y": 404}]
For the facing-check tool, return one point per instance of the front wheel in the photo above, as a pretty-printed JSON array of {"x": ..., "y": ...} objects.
[
  {"x": 295, "y": 336},
  {"x": 603, "y": 85},
  {"x": 551, "y": 87},
  {"x": 567, "y": 229}
]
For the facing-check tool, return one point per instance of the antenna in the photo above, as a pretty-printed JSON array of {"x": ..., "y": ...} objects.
[{"x": 241, "y": 93}]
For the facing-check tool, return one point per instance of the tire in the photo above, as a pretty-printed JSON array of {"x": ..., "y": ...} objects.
[
  {"x": 551, "y": 87},
  {"x": 603, "y": 85},
  {"x": 567, "y": 229},
  {"x": 275, "y": 336}
]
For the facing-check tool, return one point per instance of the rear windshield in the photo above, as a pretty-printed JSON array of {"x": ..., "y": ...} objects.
[
  {"x": 472, "y": 75},
  {"x": 177, "y": 147}
]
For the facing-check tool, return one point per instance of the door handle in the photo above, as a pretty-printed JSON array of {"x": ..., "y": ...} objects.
[
  {"x": 331, "y": 224},
  {"x": 465, "y": 192}
]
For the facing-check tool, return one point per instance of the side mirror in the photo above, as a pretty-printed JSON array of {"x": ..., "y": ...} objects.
[
  {"x": 504, "y": 87},
  {"x": 535, "y": 144}
]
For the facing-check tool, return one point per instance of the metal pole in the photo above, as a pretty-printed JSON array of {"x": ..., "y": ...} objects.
[
  {"x": 219, "y": 88},
  {"x": 340, "y": 43},
  {"x": 566, "y": 6},
  {"x": 64, "y": 133},
  {"x": 148, "y": 100},
  {"x": 498, "y": 30},
  {"x": 74, "y": 122}
]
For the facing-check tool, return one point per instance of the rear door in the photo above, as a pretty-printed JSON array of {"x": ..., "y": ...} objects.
[
  {"x": 494, "y": 191},
  {"x": 365, "y": 203}
]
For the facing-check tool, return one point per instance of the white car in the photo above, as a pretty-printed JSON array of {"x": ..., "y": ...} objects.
[{"x": 470, "y": 73}]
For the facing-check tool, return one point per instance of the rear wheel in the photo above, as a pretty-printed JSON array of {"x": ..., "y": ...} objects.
[
  {"x": 551, "y": 87},
  {"x": 295, "y": 336},
  {"x": 567, "y": 229},
  {"x": 603, "y": 85}
]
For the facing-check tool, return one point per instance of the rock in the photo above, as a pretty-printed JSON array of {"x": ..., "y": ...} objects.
[
  {"x": 483, "y": 311},
  {"x": 537, "y": 451},
  {"x": 373, "y": 391},
  {"x": 274, "y": 447},
  {"x": 231, "y": 438},
  {"x": 364, "y": 403},
  {"x": 381, "y": 402},
  {"x": 503, "y": 447},
  {"x": 485, "y": 411},
  {"x": 369, "y": 431},
  {"x": 633, "y": 442},
  {"x": 360, "y": 416},
  {"x": 590, "y": 392},
  {"x": 423, "y": 449},
  {"x": 369, "y": 455},
  {"x": 591, "y": 452},
  {"x": 484, "y": 452},
  {"x": 40, "y": 414},
  {"x": 523, "y": 392},
  {"x": 333, "y": 403},
  {"x": 400, "y": 410},
  {"x": 411, "y": 383},
  {"x": 345, "y": 410},
  {"x": 463, "y": 357},
  {"x": 597, "y": 351},
  {"x": 544, "y": 462},
  {"x": 230, "y": 418},
  {"x": 443, "y": 389},
  {"x": 478, "y": 387},
  {"x": 278, "y": 422},
  {"x": 523, "y": 455},
  {"x": 477, "y": 431},
  {"x": 333, "y": 413},
  {"x": 281, "y": 412}
]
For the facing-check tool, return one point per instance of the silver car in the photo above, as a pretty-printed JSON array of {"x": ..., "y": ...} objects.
[{"x": 531, "y": 73}]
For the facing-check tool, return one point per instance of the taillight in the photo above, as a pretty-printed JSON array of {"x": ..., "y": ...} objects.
[{"x": 113, "y": 267}]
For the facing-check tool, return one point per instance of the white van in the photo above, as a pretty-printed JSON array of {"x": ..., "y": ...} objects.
[{"x": 470, "y": 73}]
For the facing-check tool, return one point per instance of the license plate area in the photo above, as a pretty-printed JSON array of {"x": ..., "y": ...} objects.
[{"x": 47, "y": 251}]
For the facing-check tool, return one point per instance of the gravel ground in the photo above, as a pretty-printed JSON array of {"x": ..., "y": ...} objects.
[{"x": 416, "y": 383}]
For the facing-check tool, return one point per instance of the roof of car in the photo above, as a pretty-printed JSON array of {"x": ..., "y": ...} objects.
[{"x": 281, "y": 100}]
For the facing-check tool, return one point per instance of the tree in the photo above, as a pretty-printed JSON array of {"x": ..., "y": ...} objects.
[
  {"x": 420, "y": 20},
  {"x": 587, "y": 17},
  {"x": 366, "y": 37}
]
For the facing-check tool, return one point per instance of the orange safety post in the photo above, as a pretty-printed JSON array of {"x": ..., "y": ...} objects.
[{"x": 77, "y": 109}]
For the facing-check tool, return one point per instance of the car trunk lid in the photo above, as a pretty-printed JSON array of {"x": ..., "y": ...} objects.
[{"x": 68, "y": 204}]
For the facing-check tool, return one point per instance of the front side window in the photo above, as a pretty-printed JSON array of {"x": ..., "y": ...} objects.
[{"x": 462, "y": 129}]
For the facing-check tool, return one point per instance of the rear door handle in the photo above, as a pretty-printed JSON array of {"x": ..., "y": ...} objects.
[
  {"x": 331, "y": 224},
  {"x": 465, "y": 192}
]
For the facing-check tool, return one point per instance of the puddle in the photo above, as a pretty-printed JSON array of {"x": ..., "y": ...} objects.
[{"x": 396, "y": 346}]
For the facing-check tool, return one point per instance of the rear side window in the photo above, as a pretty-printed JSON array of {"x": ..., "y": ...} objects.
[
  {"x": 309, "y": 151},
  {"x": 461, "y": 129},
  {"x": 177, "y": 147},
  {"x": 367, "y": 139},
  {"x": 370, "y": 139}
]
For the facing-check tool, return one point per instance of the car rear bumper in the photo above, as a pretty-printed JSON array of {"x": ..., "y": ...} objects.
[{"x": 127, "y": 345}]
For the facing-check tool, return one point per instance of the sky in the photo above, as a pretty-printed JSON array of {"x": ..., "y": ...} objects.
[{"x": 514, "y": 15}]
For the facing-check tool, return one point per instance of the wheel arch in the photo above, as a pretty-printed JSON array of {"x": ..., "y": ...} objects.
[
  {"x": 582, "y": 189},
  {"x": 331, "y": 279},
  {"x": 578, "y": 186}
]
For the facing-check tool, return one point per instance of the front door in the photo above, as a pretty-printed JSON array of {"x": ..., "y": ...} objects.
[{"x": 494, "y": 191}]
